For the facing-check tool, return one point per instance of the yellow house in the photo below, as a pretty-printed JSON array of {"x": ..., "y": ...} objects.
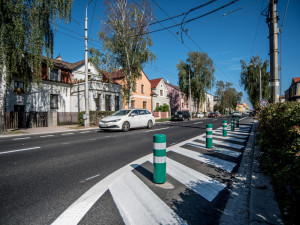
[{"x": 141, "y": 98}]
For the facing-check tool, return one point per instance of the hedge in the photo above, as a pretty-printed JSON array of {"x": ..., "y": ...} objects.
[
  {"x": 279, "y": 138},
  {"x": 95, "y": 117}
]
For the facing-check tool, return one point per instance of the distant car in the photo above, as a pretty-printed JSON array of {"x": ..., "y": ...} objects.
[
  {"x": 181, "y": 115},
  {"x": 212, "y": 115},
  {"x": 236, "y": 114},
  {"x": 126, "y": 119},
  {"x": 199, "y": 115},
  {"x": 252, "y": 113}
]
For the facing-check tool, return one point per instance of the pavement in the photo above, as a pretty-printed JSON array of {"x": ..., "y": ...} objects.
[{"x": 251, "y": 201}]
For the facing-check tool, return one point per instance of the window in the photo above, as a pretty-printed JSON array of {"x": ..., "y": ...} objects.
[
  {"x": 55, "y": 75},
  {"x": 117, "y": 99},
  {"x": 161, "y": 93},
  {"x": 107, "y": 103},
  {"x": 133, "y": 104},
  {"x": 142, "y": 112},
  {"x": 142, "y": 89},
  {"x": 182, "y": 105},
  {"x": 19, "y": 87},
  {"x": 144, "y": 105},
  {"x": 53, "y": 101}
]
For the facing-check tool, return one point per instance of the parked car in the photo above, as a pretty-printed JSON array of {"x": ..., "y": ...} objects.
[
  {"x": 199, "y": 115},
  {"x": 236, "y": 114},
  {"x": 212, "y": 115},
  {"x": 127, "y": 119},
  {"x": 181, "y": 115}
]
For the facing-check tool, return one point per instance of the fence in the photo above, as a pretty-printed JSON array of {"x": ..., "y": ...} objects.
[
  {"x": 15, "y": 120},
  {"x": 67, "y": 118},
  {"x": 160, "y": 115}
]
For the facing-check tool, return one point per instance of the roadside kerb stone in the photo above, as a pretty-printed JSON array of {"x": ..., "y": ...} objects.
[{"x": 237, "y": 208}]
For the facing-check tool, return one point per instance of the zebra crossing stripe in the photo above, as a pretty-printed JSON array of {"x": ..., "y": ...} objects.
[
  {"x": 218, "y": 133},
  {"x": 235, "y": 132},
  {"x": 138, "y": 205},
  {"x": 210, "y": 160},
  {"x": 216, "y": 149},
  {"x": 225, "y": 144},
  {"x": 205, "y": 186},
  {"x": 230, "y": 139}
]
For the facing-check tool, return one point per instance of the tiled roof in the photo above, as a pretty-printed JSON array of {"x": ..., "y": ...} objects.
[
  {"x": 173, "y": 86},
  {"x": 155, "y": 82},
  {"x": 114, "y": 75},
  {"x": 64, "y": 65},
  {"x": 296, "y": 79}
]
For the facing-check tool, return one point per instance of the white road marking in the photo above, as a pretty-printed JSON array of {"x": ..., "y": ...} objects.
[
  {"x": 219, "y": 132},
  {"x": 15, "y": 139},
  {"x": 67, "y": 134},
  {"x": 230, "y": 139},
  {"x": 137, "y": 204},
  {"x": 233, "y": 132},
  {"x": 94, "y": 139},
  {"x": 173, "y": 143},
  {"x": 215, "y": 119},
  {"x": 198, "y": 182},
  {"x": 224, "y": 143},
  {"x": 198, "y": 122},
  {"x": 213, "y": 161},
  {"x": 157, "y": 129},
  {"x": 92, "y": 177},
  {"x": 50, "y": 135},
  {"x": 216, "y": 149},
  {"x": 19, "y": 150},
  {"x": 107, "y": 136},
  {"x": 84, "y": 132},
  {"x": 66, "y": 143}
]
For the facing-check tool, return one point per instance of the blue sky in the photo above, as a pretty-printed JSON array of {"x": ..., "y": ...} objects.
[{"x": 227, "y": 39}]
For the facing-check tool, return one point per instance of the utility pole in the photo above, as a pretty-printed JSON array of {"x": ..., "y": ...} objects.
[
  {"x": 260, "y": 92},
  {"x": 272, "y": 21},
  {"x": 190, "y": 93},
  {"x": 87, "y": 110}
]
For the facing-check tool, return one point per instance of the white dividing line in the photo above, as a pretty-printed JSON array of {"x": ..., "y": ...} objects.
[
  {"x": 94, "y": 139},
  {"x": 215, "y": 119},
  {"x": 198, "y": 122},
  {"x": 15, "y": 139},
  {"x": 92, "y": 177},
  {"x": 137, "y": 204},
  {"x": 67, "y": 134},
  {"x": 198, "y": 182},
  {"x": 216, "y": 149},
  {"x": 84, "y": 132},
  {"x": 233, "y": 132},
  {"x": 158, "y": 129},
  {"x": 50, "y": 135},
  {"x": 173, "y": 143},
  {"x": 216, "y": 162},
  {"x": 224, "y": 143},
  {"x": 19, "y": 150}
]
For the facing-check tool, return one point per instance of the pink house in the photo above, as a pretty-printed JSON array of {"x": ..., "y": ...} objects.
[{"x": 178, "y": 101}]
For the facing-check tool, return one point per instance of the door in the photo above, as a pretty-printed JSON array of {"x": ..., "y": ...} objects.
[
  {"x": 19, "y": 110},
  {"x": 134, "y": 119}
]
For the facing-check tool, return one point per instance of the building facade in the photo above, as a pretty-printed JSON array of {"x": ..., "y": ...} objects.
[
  {"x": 159, "y": 93},
  {"x": 293, "y": 93}
]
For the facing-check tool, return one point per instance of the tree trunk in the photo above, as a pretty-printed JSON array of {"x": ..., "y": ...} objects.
[{"x": 3, "y": 90}]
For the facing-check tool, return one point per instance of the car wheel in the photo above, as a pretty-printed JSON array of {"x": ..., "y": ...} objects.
[
  {"x": 149, "y": 124},
  {"x": 125, "y": 126}
]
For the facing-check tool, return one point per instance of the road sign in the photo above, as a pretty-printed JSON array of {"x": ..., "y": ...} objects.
[{"x": 263, "y": 103}]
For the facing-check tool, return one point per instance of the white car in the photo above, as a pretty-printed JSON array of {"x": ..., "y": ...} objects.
[
  {"x": 200, "y": 115},
  {"x": 128, "y": 118}
]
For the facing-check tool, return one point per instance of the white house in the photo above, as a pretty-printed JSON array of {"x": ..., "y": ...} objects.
[{"x": 159, "y": 93}]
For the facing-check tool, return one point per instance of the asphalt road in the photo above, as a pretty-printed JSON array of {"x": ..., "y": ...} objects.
[{"x": 42, "y": 175}]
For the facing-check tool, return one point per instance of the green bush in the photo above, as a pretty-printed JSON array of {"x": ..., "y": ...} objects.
[
  {"x": 95, "y": 117},
  {"x": 279, "y": 138},
  {"x": 162, "y": 108}
]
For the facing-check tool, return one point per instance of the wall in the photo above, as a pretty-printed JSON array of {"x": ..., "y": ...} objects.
[
  {"x": 160, "y": 99},
  {"x": 79, "y": 72}
]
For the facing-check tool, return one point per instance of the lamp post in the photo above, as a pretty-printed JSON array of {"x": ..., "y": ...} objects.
[{"x": 87, "y": 110}]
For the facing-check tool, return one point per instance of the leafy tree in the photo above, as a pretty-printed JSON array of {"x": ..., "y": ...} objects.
[
  {"x": 201, "y": 70},
  {"x": 125, "y": 42},
  {"x": 250, "y": 79},
  {"x": 227, "y": 95},
  {"x": 26, "y": 32}
]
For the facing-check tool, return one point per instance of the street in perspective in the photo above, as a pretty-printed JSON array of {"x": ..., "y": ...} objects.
[{"x": 149, "y": 112}]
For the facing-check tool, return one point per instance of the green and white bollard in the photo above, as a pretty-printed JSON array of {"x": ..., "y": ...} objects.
[
  {"x": 209, "y": 139},
  {"x": 237, "y": 122},
  {"x": 225, "y": 128},
  {"x": 159, "y": 159},
  {"x": 232, "y": 124}
]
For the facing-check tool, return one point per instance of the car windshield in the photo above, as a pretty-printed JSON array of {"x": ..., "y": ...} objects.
[
  {"x": 178, "y": 113},
  {"x": 121, "y": 113}
]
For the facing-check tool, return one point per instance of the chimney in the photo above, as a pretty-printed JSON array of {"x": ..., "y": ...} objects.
[{"x": 58, "y": 58}]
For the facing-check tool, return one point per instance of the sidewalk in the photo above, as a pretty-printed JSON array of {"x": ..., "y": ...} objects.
[{"x": 252, "y": 200}]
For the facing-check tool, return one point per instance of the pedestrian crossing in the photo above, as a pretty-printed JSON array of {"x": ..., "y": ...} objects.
[{"x": 140, "y": 201}]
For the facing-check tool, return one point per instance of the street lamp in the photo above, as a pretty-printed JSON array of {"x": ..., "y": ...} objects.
[{"x": 87, "y": 110}]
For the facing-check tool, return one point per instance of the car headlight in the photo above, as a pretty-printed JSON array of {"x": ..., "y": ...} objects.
[{"x": 114, "y": 120}]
